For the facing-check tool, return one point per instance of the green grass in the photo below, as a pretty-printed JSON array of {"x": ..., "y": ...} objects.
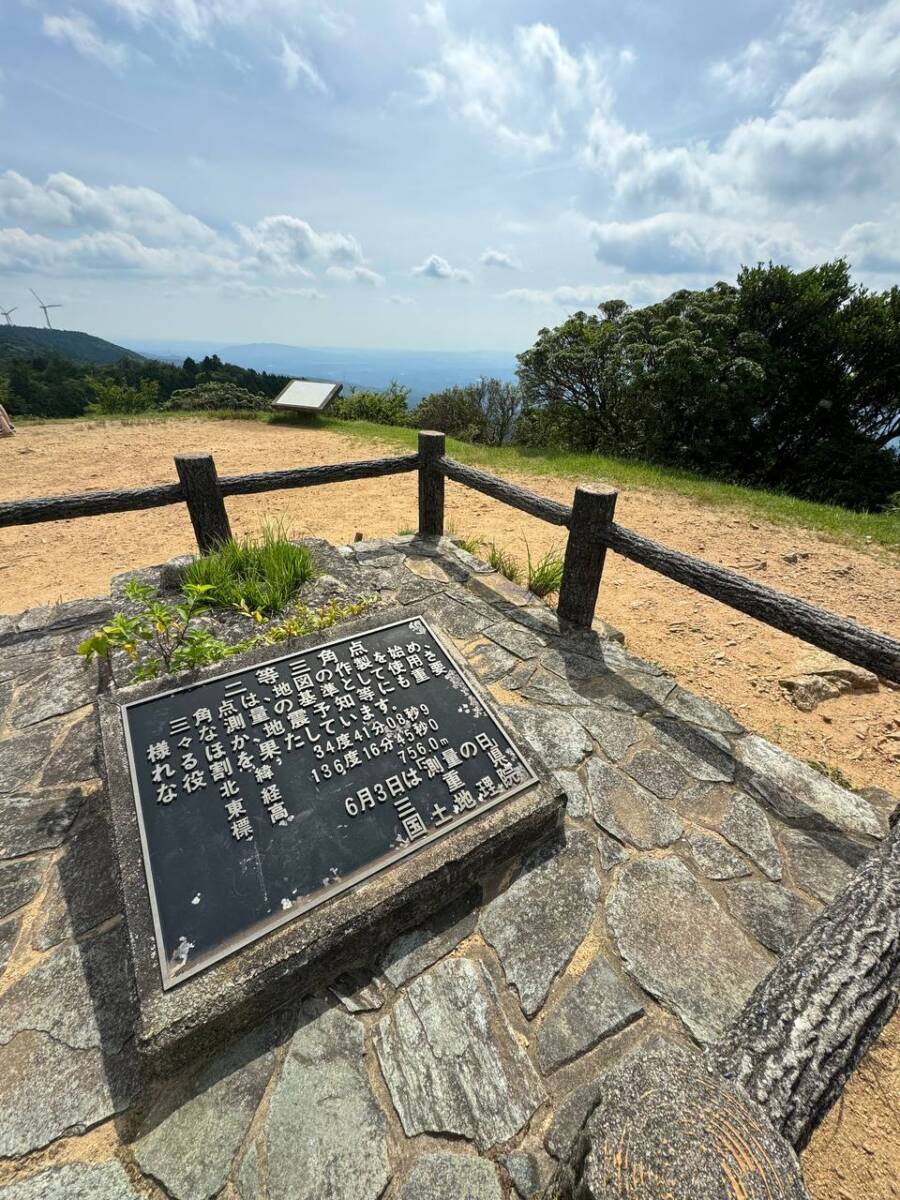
[
  {"x": 838, "y": 524},
  {"x": 255, "y": 575},
  {"x": 501, "y": 560},
  {"x": 544, "y": 574}
]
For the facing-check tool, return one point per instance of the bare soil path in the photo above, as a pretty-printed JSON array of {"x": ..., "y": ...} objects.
[{"x": 712, "y": 650}]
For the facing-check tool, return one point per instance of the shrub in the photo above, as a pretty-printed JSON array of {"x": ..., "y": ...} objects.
[
  {"x": 218, "y": 394},
  {"x": 256, "y": 576},
  {"x": 387, "y": 407},
  {"x": 544, "y": 575},
  {"x": 163, "y": 631}
]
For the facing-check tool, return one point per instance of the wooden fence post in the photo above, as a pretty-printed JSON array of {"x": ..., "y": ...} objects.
[
  {"x": 431, "y": 484},
  {"x": 200, "y": 483},
  {"x": 592, "y": 509}
]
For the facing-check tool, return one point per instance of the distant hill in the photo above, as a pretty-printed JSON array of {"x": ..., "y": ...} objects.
[
  {"x": 422, "y": 371},
  {"x": 26, "y": 341}
]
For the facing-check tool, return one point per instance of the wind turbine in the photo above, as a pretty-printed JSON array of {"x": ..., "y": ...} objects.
[
  {"x": 43, "y": 307},
  {"x": 7, "y": 312}
]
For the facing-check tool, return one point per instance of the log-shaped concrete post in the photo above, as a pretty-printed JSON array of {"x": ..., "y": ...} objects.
[
  {"x": 592, "y": 511},
  {"x": 431, "y": 484},
  {"x": 200, "y": 483}
]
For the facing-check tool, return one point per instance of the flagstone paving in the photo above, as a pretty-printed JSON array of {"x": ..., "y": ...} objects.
[{"x": 466, "y": 1052}]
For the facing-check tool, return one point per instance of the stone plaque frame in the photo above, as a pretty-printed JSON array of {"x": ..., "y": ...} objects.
[
  {"x": 249, "y": 933},
  {"x": 350, "y": 929}
]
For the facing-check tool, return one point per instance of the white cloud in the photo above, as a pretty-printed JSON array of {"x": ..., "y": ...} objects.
[
  {"x": 358, "y": 274},
  {"x": 110, "y": 253},
  {"x": 874, "y": 246},
  {"x": 288, "y": 242},
  {"x": 522, "y": 93},
  {"x": 296, "y": 66},
  {"x": 750, "y": 73},
  {"x": 80, "y": 32},
  {"x": 435, "y": 267},
  {"x": 65, "y": 226},
  {"x": 695, "y": 242},
  {"x": 497, "y": 258},
  {"x": 65, "y": 202},
  {"x": 834, "y": 132},
  {"x": 402, "y": 300}
]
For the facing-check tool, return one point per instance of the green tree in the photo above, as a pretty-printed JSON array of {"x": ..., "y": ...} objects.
[
  {"x": 576, "y": 385},
  {"x": 111, "y": 397}
]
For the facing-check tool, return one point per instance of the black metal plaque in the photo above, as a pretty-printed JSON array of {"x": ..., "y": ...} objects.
[{"x": 266, "y": 791}]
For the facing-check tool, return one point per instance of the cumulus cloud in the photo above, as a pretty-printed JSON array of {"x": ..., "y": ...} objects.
[
  {"x": 435, "y": 267},
  {"x": 63, "y": 201},
  {"x": 695, "y": 242},
  {"x": 290, "y": 242},
  {"x": 522, "y": 93},
  {"x": 66, "y": 226},
  {"x": 498, "y": 258},
  {"x": 834, "y": 128},
  {"x": 80, "y": 32}
]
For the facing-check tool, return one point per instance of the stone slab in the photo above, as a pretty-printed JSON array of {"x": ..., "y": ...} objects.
[
  {"x": 413, "y": 952},
  {"x": 452, "y": 1062},
  {"x": 597, "y": 1006},
  {"x": 324, "y": 1133},
  {"x": 681, "y": 946},
  {"x": 74, "y": 1181},
  {"x": 537, "y": 924},
  {"x": 631, "y": 814},
  {"x": 776, "y": 917},
  {"x": 441, "y": 1176},
  {"x": 189, "y": 1139},
  {"x": 801, "y": 795}
]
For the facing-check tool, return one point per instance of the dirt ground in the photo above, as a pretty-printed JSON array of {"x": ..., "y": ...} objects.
[{"x": 711, "y": 649}]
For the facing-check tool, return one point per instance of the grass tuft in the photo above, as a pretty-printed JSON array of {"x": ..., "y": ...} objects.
[
  {"x": 544, "y": 575},
  {"x": 254, "y": 575},
  {"x": 501, "y": 560}
]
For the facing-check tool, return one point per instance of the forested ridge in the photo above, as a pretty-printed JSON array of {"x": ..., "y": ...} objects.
[{"x": 786, "y": 380}]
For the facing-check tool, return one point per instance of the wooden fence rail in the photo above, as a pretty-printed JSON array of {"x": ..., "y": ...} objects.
[{"x": 592, "y": 531}]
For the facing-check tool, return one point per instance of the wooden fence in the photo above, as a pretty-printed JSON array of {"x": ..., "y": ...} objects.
[{"x": 589, "y": 520}]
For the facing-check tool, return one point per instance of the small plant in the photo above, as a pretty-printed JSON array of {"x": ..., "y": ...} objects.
[
  {"x": 311, "y": 620},
  {"x": 544, "y": 575},
  {"x": 406, "y": 532},
  {"x": 256, "y": 576},
  {"x": 502, "y": 561},
  {"x": 171, "y": 643},
  {"x": 835, "y": 774},
  {"x": 471, "y": 545},
  {"x": 163, "y": 630}
]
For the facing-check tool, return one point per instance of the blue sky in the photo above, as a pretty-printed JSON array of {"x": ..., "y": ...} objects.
[{"x": 431, "y": 175}]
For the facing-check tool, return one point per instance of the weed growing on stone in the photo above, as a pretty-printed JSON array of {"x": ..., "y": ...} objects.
[
  {"x": 835, "y": 774},
  {"x": 501, "y": 560},
  {"x": 162, "y": 639},
  {"x": 256, "y": 576},
  {"x": 545, "y": 574}
]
